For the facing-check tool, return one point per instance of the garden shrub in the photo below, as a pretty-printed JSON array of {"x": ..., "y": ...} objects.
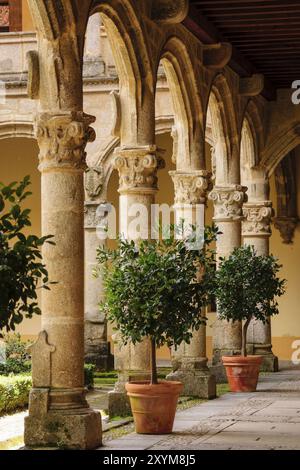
[
  {"x": 17, "y": 358},
  {"x": 14, "y": 392},
  {"x": 89, "y": 370}
]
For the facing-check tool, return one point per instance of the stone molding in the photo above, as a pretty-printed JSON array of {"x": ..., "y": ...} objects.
[
  {"x": 62, "y": 139},
  {"x": 286, "y": 226},
  {"x": 228, "y": 202},
  {"x": 93, "y": 182},
  {"x": 138, "y": 168},
  {"x": 257, "y": 219},
  {"x": 191, "y": 187},
  {"x": 93, "y": 218}
]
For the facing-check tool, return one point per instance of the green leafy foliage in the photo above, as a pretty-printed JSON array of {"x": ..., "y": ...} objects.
[
  {"x": 89, "y": 371},
  {"x": 157, "y": 288},
  {"x": 21, "y": 267},
  {"x": 247, "y": 286},
  {"x": 14, "y": 392},
  {"x": 17, "y": 358}
]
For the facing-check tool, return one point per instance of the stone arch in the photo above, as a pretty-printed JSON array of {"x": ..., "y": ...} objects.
[
  {"x": 253, "y": 175},
  {"x": 280, "y": 145},
  {"x": 253, "y": 117},
  {"x": 16, "y": 128},
  {"x": 221, "y": 113},
  {"x": 136, "y": 85},
  {"x": 57, "y": 70},
  {"x": 188, "y": 111}
]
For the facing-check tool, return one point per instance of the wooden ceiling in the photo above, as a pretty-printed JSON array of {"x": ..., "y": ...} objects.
[{"x": 265, "y": 35}]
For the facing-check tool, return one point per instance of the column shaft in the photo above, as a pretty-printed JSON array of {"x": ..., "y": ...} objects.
[
  {"x": 97, "y": 348},
  {"x": 190, "y": 360},
  {"x": 137, "y": 187},
  {"x": 228, "y": 201},
  {"x": 57, "y": 357},
  {"x": 256, "y": 233}
]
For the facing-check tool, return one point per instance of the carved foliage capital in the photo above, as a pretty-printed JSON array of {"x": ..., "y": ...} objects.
[
  {"x": 258, "y": 218},
  {"x": 62, "y": 139},
  {"x": 137, "y": 168},
  {"x": 228, "y": 202},
  {"x": 191, "y": 188}
]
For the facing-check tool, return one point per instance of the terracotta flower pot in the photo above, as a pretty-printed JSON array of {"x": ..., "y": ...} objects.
[
  {"x": 154, "y": 406},
  {"x": 242, "y": 372}
]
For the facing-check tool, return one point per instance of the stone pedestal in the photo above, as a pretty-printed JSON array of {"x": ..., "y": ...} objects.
[
  {"x": 256, "y": 233},
  {"x": 189, "y": 360},
  {"x": 59, "y": 414},
  {"x": 228, "y": 202},
  {"x": 138, "y": 185}
]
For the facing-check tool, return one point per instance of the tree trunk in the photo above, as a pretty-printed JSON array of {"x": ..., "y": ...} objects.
[
  {"x": 244, "y": 337},
  {"x": 153, "y": 363}
]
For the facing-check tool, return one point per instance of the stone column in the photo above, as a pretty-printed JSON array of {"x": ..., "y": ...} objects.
[
  {"x": 59, "y": 414},
  {"x": 97, "y": 348},
  {"x": 190, "y": 360},
  {"x": 228, "y": 202},
  {"x": 257, "y": 232},
  {"x": 137, "y": 169}
]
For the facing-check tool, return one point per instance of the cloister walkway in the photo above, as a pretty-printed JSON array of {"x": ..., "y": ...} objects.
[{"x": 267, "y": 419}]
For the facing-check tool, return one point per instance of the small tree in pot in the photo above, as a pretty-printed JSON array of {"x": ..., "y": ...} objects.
[
  {"x": 246, "y": 287},
  {"x": 154, "y": 290}
]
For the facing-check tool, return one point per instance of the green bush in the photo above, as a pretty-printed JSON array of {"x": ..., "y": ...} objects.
[
  {"x": 89, "y": 370},
  {"x": 14, "y": 392},
  {"x": 156, "y": 289},
  {"x": 247, "y": 286},
  {"x": 21, "y": 266},
  {"x": 17, "y": 357}
]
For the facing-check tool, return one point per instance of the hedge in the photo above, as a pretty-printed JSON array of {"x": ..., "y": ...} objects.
[{"x": 14, "y": 392}]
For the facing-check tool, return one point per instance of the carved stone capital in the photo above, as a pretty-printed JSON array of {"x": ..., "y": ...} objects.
[
  {"x": 257, "y": 219},
  {"x": 62, "y": 139},
  {"x": 228, "y": 202},
  {"x": 137, "y": 169},
  {"x": 93, "y": 182},
  {"x": 191, "y": 187},
  {"x": 286, "y": 226}
]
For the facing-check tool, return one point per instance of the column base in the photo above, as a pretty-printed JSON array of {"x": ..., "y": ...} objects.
[
  {"x": 78, "y": 428},
  {"x": 118, "y": 401},
  {"x": 217, "y": 368},
  {"x": 196, "y": 383},
  {"x": 118, "y": 404},
  {"x": 270, "y": 362}
]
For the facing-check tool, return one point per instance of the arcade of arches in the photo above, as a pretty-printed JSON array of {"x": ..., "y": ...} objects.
[{"x": 100, "y": 91}]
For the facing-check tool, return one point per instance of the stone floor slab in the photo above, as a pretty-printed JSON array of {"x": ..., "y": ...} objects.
[{"x": 267, "y": 419}]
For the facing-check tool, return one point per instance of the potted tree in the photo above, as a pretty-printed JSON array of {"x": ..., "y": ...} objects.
[
  {"x": 153, "y": 290},
  {"x": 246, "y": 287}
]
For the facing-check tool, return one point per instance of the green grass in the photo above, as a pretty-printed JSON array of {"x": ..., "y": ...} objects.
[
  {"x": 222, "y": 389},
  {"x": 108, "y": 381}
]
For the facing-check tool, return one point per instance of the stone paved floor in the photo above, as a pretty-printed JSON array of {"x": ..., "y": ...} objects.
[{"x": 267, "y": 419}]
